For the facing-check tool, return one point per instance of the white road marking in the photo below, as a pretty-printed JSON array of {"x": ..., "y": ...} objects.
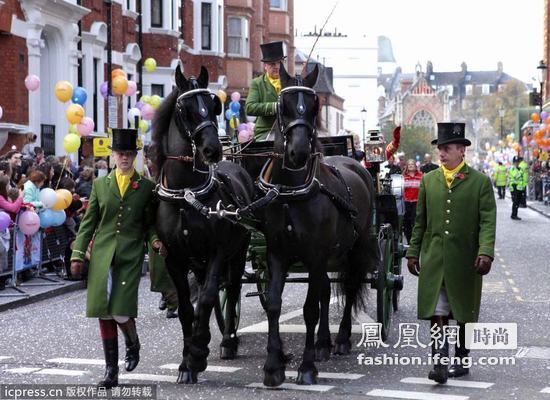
[
  {"x": 80, "y": 361},
  {"x": 210, "y": 368},
  {"x": 515, "y": 289},
  {"x": 148, "y": 377},
  {"x": 60, "y": 371},
  {"x": 293, "y": 386},
  {"x": 450, "y": 382},
  {"x": 545, "y": 390},
  {"x": 2, "y": 358},
  {"x": 506, "y": 273},
  {"x": 328, "y": 375},
  {"x": 263, "y": 327},
  {"x": 402, "y": 394},
  {"x": 519, "y": 298},
  {"x": 511, "y": 281},
  {"x": 22, "y": 370}
]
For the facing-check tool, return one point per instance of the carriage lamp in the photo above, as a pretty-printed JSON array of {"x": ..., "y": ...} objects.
[{"x": 374, "y": 147}]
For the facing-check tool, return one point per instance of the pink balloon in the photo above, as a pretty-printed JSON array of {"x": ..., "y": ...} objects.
[
  {"x": 29, "y": 222},
  {"x": 147, "y": 112},
  {"x": 235, "y": 96},
  {"x": 132, "y": 88},
  {"x": 32, "y": 82},
  {"x": 244, "y": 136},
  {"x": 86, "y": 126}
]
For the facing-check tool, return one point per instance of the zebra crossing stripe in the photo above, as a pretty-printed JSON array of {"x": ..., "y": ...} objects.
[
  {"x": 402, "y": 394},
  {"x": 545, "y": 390},
  {"x": 292, "y": 386},
  {"x": 328, "y": 375},
  {"x": 149, "y": 377},
  {"x": 263, "y": 327},
  {"x": 2, "y": 358},
  {"x": 59, "y": 371},
  {"x": 450, "y": 382},
  {"x": 210, "y": 368},
  {"x": 22, "y": 370},
  {"x": 80, "y": 361}
]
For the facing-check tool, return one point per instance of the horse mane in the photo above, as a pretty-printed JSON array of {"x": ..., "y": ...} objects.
[{"x": 161, "y": 125}]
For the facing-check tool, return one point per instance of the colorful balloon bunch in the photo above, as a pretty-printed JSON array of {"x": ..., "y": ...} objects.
[
  {"x": 54, "y": 202},
  {"x": 233, "y": 113},
  {"x": 541, "y": 136}
]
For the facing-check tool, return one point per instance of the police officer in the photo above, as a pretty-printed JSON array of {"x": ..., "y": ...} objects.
[
  {"x": 524, "y": 168},
  {"x": 515, "y": 184},
  {"x": 500, "y": 176}
]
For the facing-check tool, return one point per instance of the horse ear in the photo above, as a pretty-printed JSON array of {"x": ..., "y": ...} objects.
[
  {"x": 217, "y": 104},
  {"x": 181, "y": 80},
  {"x": 285, "y": 77},
  {"x": 203, "y": 78},
  {"x": 311, "y": 79}
]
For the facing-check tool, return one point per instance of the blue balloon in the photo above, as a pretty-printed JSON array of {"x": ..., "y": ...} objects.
[
  {"x": 59, "y": 218},
  {"x": 229, "y": 114},
  {"x": 235, "y": 106},
  {"x": 47, "y": 218},
  {"x": 79, "y": 95}
]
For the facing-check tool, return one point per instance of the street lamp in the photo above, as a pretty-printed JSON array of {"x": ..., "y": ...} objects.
[
  {"x": 542, "y": 77},
  {"x": 501, "y": 113},
  {"x": 364, "y": 119}
]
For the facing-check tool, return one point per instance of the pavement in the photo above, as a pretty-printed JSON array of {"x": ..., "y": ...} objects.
[{"x": 539, "y": 207}]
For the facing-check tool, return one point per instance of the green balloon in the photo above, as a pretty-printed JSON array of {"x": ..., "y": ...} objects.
[{"x": 72, "y": 129}]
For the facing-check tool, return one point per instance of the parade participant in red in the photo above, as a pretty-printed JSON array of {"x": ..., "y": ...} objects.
[{"x": 412, "y": 182}]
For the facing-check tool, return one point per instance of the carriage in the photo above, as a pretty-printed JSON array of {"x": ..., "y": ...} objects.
[{"x": 386, "y": 279}]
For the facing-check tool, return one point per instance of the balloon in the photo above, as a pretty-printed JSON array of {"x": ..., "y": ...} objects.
[
  {"x": 117, "y": 72},
  {"x": 1, "y": 112},
  {"x": 222, "y": 95},
  {"x": 63, "y": 91},
  {"x": 535, "y": 154},
  {"x": 86, "y": 126},
  {"x": 29, "y": 222},
  {"x": 5, "y": 220},
  {"x": 74, "y": 113},
  {"x": 535, "y": 117},
  {"x": 229, "y": 114},
  {"x": 544, "y": 115},
  {"x": 79, "y": 95},
  {"x": 143, "y": 125},
  {"x": 242, "y": 127},
  {"x": 48, "y": 197},
  {"x": 250, "y": 126},
  {"x": 145, "y": 99},
  {"x": 132, "y": 88},
  {"x": 138, "y": 105},
  {"x": 64, "y": 199},
  {"x": 59, "y": 218},
  {"x": 120, "y": 85},
  {"x": 235, "y": 96},
  {"x": 32, "y": 83},
  {"x": 547, "y": 120},
  {"x": 71, "y": 143},
  {"x": 132, "y": 114},
  {"x": 244, "y": 136},
  {"x": 150, "y": 64},
  {"x": 155, "y": 101},
  {"x": 147, "y": 112},
  {"x": 235, "y": 106},
  {"x": 73, "y": 128},
  {"x": 104, "y": 89},
  {"x": 46, "y": 218},
  {"x": 234, "y": 123}
]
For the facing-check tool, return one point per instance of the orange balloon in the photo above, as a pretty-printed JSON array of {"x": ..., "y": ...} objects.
[
  {"x": 117, "y": 72},
  {"x": 75, "y": 113},
  {"x": 547, "y": 121},
  {"x": 535, "y": 117},
  {"x": 64, "y": 199},
  {"x": 536, "y": 153},
  {"x": 120, "y": 85}
]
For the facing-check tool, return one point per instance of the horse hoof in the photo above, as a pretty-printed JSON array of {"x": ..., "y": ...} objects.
[
  {"x": 342, "y": 349},
  {"x": 187, "y": 377},
  {"x": 228, "y": 353},
  {"x": 275, "y": 378},
  {"x": 287, "y": 357},
  {"x": 307, "y": 378},
  {"x": 322, "y": 354}
]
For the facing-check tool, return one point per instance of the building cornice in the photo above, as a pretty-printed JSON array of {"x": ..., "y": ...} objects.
[{"x": 35, "y": 10}]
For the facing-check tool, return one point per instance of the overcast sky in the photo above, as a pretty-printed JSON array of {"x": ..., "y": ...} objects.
[{"x": 446, "y": 32}]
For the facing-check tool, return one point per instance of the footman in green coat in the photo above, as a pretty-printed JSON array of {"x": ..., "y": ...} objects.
[
  {"x": 452, "y": 243},
  {"x": 119, "y": 220}
]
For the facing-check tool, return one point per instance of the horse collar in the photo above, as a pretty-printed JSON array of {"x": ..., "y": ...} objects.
[{"x": 187, "y": 194}]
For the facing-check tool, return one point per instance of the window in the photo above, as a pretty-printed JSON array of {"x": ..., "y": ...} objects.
[
  {"x": 237, "y": 34},
  {"x": 469, "y": 90},
  {"x": 485, "y": 89},
  {"x": 206, "y": 26},
  {"x": 424, "y": 119},
  {"x": 158, "y": 90},
  {"x": 156, "y": 13},
  {"x": 450, "y": 89},
  {"x": 278, "y": 5}
]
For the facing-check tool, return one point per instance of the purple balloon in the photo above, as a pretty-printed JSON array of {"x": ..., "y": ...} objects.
[
  {"x": 5, "y": 220},
  {"x": 242, "y": 127},
  {"x": 104, "y": 88},
  {"x": 139, "y": 105},
  {"x": 544, "y": 115}
]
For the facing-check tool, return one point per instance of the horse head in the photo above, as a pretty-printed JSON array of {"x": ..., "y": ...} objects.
[
  {"x": 195, "y": 115},
  {"x": 298, "y": 106}
]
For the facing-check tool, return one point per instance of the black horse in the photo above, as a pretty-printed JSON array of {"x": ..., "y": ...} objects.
[
  {"x": 323, "y": 210},
  {"x": 191, "y": 183}
]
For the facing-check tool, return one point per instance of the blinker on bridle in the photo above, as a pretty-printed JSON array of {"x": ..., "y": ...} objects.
[{"x": 203, "y": 110}]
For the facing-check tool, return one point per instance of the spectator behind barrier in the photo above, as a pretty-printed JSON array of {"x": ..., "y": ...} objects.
[
  {"x": 7, "y": 205},
  {"x": 84, "y": 185},
  {"x": 32, "y": 188}
]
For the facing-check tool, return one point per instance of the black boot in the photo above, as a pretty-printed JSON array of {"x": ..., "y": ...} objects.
[
  {"x": 440, "y": 372},
  {"x": 458, "y": 367},
  {"x": 132, "y": 344},
  {"x": 110, "y": 348}
]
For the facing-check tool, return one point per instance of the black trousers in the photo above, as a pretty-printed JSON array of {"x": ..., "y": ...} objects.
[
  {"x": 408, "y": 219},
  {"x": 516, "y": 200},
  {"x": 501, "y": 192}
]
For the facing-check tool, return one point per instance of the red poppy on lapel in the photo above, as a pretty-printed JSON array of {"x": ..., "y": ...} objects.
[
  {"x": 459, "y": 175},
  {"x": 135, "y": 185}
]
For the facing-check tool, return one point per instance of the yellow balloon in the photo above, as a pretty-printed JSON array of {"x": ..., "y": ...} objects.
[
  {"x": 75, "y": 113},
  {"x": 143, "y": 125},
  {"x": 234, "y": 123},
  {"x": 63, "y": 91},
  {"x": 72, "y": 129},
  {"x": 155, "y": 101},
  {"x": 120, "y": 85},
  {"x": 64, "y": 199},
  {"x": 150, "y": 64},
  {"x": 222, "y": 95},
  {"x": 145, "y": 99},
  {"x": 71, "y": 142}
]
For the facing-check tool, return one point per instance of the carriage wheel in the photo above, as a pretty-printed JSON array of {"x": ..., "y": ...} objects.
[
  {"x": 220, "y": 310},
  {"x": 262, "y": 283},
  {"x": 397, "y": 270},
  {"x": 384, "y": 293}
]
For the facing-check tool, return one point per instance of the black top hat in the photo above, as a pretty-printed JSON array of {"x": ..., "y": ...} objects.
[
  {"x": 451, "y": 132},
  {"x": 124, "y": 140},
  {"x": 272, "y": 51}
]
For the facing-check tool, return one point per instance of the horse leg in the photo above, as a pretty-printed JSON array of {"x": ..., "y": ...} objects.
[
  {"x": 185, "y": 314},
  {"x": 230, "y": 341},
  {"x": 198, "y": 352},
  {"x": 323, "y": 346},
  {"x": 343, "y": 342},
  {"x": 307, "y": 372},
  {"x": 274, "y": 367}
]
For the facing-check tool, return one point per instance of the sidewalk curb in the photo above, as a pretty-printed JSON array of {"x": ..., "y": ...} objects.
[
  {"x": 42, "y": 296},
  {"x": 547, "y": 215}
]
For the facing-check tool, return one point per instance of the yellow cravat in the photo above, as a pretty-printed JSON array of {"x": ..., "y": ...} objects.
[
  {"x": 123, "y": 181},
  {"x": 450, "y": 173},
  {"x": 276, "y": 83}
]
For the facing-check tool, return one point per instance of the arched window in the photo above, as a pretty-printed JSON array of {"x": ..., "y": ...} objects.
[{"x": 424, "y": 119}]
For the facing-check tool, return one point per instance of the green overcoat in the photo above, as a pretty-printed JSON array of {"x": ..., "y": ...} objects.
[
  {"x": 453, "y": 226},
  {"x": 262, "y": 103},
  {"x": 121, "y": 226}
]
